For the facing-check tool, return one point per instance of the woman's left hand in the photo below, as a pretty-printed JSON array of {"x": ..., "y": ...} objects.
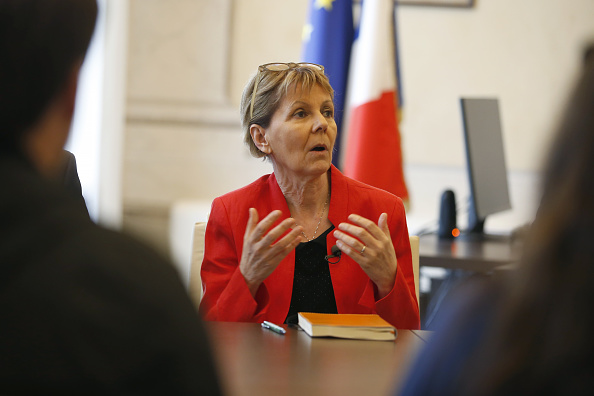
[{"x": 370, "y": 245}]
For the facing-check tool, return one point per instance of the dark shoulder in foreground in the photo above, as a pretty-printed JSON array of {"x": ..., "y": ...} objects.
[
  {"x": 462, "y": 324},
  {"x": 87, "y": 310}
]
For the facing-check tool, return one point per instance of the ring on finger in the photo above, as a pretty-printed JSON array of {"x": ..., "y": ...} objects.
[{"x": 362, "y": 250}]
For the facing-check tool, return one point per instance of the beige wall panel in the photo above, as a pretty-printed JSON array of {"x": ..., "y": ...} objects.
[
  {"x": 264, "y": 31},
  {"x": 179, "y": 51},
  {"x": 165, "y": 163}
]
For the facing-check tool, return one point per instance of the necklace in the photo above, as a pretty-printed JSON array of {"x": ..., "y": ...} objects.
[{"x": 319, "y": 221}]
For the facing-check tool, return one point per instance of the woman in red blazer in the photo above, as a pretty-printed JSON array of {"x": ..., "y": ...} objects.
[{"x": 273, "y": 268}]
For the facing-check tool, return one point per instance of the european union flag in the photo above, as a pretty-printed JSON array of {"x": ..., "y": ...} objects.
[{"x": 327, "y": 40}]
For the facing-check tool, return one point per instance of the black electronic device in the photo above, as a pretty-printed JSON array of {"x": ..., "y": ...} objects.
[
  {"x": 485, "y": 160},
  {"x": 447, "y": 216},
  {"x": 336, "y": 254}
]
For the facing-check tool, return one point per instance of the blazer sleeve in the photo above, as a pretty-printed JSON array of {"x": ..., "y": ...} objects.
[
  {"x": 226, "y": 294},
  {"x": 400, "y": 306}
]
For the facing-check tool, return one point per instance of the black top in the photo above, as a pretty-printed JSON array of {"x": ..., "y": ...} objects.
[
  {"x": 312, "y": 285},
  {"x": 85, "y": 310}
]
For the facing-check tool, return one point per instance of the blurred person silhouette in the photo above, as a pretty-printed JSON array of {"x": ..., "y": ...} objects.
[
  {"x": 71, "y": 179},
  {"x": 83, "y": 310},
  {"x": 532, "y": 333}
]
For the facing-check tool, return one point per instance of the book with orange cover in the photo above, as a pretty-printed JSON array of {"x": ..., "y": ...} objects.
[{"x": 356, "y": 326}]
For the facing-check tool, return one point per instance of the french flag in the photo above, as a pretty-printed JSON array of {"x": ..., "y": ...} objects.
[{"x": 373, "y": 153}]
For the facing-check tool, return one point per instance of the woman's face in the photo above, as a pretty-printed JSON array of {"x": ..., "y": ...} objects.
[{"x": 301, "y": 134}]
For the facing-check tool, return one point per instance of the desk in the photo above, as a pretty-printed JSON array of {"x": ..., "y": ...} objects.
[
  {"x": 256, "y": 361},
  {"x": 469, "y": 255}
]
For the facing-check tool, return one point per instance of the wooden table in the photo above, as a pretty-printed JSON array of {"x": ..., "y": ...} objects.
[
  {"x": 468, "y": 255},
  {"x": 256, "y": 361}
]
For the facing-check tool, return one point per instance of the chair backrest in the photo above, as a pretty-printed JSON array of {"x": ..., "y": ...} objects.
[
  {"x": 195, "y": 286},
  {"x": 414, "y": 249}
]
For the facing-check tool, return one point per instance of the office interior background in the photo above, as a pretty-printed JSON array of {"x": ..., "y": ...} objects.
[{"x": 157, "y": 135}]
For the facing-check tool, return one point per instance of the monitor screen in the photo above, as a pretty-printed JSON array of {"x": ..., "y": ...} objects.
[{"x": 485, "y": 159}]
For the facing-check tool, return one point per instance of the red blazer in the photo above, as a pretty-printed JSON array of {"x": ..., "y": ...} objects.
[{"x": 226, "y": 295}]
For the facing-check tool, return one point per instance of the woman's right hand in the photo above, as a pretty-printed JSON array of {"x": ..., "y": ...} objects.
[{"x": 261, "y": 255}]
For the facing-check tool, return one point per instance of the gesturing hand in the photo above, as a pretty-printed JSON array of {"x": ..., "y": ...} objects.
[
  {"x": 370, "y": 245},
  {"x": 261, "y": 255}
]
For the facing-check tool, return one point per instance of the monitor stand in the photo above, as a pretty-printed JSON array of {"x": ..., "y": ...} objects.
[{"x": 476, "y": 232}]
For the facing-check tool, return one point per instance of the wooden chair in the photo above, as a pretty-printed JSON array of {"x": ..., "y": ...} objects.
[
  {"x": 195, "y": 286},
  {"x": 414, "y": 249}
]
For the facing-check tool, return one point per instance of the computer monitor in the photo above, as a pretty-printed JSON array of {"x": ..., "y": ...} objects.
[{"x": 485, "y": 161}]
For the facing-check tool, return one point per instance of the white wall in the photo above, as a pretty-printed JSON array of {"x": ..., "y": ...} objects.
[
  {"x": 85, "y": 133},
  {"x": 98, "y": 124},
  {"x": 114, "y": 88},
  {"x": 525, "y": 52}
]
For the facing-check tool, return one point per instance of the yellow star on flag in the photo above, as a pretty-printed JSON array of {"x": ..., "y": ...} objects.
[
  {"x": 327, "y": 4},
  {"x": 306, "y": 32}
]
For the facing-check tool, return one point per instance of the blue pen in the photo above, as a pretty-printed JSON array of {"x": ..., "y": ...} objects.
[{"x": 272, "y": 327}]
